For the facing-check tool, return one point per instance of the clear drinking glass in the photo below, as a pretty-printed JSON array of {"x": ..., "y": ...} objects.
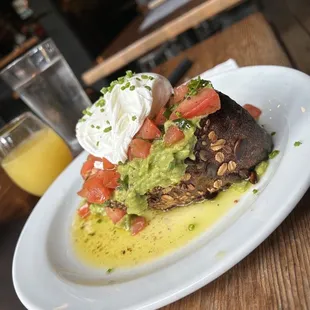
[
  {"x": 44, "y": 80},
  {"x": 32, "y": 154}
]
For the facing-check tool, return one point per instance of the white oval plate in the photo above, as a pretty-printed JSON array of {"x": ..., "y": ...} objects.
[{"x": 47, "y": 275}]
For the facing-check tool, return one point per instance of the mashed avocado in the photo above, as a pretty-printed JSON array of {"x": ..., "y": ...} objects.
[{"x": 163, "y": 167}]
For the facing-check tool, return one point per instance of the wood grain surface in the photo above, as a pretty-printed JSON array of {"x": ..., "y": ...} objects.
[
  {"x": 127, "y": 48},
  {"x": 276, "y": 275}
]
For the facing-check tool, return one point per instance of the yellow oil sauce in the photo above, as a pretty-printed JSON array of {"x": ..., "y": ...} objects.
[{"x": 99, "y": 243}]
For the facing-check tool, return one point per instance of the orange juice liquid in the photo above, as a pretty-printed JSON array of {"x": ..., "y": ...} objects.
[{"x": 35, "y": 163}]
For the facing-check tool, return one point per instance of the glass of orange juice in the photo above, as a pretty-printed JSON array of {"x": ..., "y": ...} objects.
[{"x": 32, "y": 154}]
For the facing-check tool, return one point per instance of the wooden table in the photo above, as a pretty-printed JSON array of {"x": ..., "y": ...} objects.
[
  {"x": 131, "y": 43},
  {"x": 274, "y": 276}
]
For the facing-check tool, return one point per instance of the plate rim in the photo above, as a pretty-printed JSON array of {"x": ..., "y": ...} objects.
[{"x": 188, "y": 288}]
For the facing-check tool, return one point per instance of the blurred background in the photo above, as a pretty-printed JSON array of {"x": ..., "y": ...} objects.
[{"x": 91, "y": 32}]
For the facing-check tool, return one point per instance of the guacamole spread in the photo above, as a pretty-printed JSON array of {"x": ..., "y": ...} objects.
[{"x": 163, "y": 167}]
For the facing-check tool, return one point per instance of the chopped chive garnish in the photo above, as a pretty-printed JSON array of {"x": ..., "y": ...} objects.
[
  {"x": 273, "y": 154},
  {"x": 121, "y": 80},
  {"x": 138, "y": 79},
  {"x": 110, "y": 270},
  {"x": 107, "y": 129},
  {"x": 132, "y": 87},
  {"x": 129, "y": 73},
  {"x": 255, "y": 191},
  {"x": 134, "y": 118},
  {"x": 108, "y": 122},
  {"x": 148, "y": 87},
  {"x": 178, "y": 114},
  {"x": 144, "y": 77},
  {"x": 102, "y": 110},
  {"x": 297, "y": 143},
  {"x": 151, "y": 78},
  {"x": 104, "y": 90},
  {"x": 97, "y": 143},
  {"x": 196, "y": 84},
  {"x": 97, "y": 127},
  {"x": 85, "y": 112},
  {"x": 92, "y": 126},
  {"x": 273, "y": 133},
  {"x": 191, "y": 227},
  {"x": 123, "y": 88}
]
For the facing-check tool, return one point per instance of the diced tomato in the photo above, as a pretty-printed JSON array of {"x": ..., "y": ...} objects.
[
  {"x": 107, "y": 165},
  {"x": 148, "y": 130},
  {"x": 94, "y": 190},
  {"x": 109, "y": 178},
  {"x": 160, "y": 118},
  {"x": 86, "y": 169},
  {"x": 84, "y": 211},
  {"x": 137, "y": 224},
  {"x": 115, "y": 214},
  {"x": 180, "y": 92},
  {"x": 207, "y": 101},
  {"x": 254, "y": 111},
  {"x": 173, "y": 135},
  {"x": 139, "y": 149}
]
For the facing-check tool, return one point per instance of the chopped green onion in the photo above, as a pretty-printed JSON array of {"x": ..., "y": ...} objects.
[
  {"x": 121, "y": 80},
  {"x": 255, "y": 191},
  {"x": 183, "y": 123},
  {"x": 273, "y": 154},
  {"x": 138, "y": 79},
  {"x": 97, "y": 144},
  {"x": 129, "y": 73},
  {"x": 148, "y": 87},
  {"x": 297, "y": 143},
  {"x": 110, "y": 270},
  {"x": 86, "y": 112},
  {"x": 273, "y": 133},
  {"x": 123, "y": 88},
  {"x": 102, "y": 110},
  {"x": 132, "y": 87},
  {"x": 144, "y": 77},
  {"x": 108, "y": 122},
  {"x": 178, "y": 114},
  {"x": 92, "y": 126},
  {"x": 196, "y": 84},
  {"x": 107, "y": 129},
  {"x": 151, "y": 78},
  {"x": 97, "y": 127},
  {"x": 168, "y": 112},
  {"x": 134, "y": 118}
]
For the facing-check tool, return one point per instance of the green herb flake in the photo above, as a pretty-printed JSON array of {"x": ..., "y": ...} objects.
[
  {"x": 97, "y": 127},
  {"x": 191, "y": 227},
  {"x": 81, "y": 120},
  {"x": 108, "y": 122},
  {"x": 132, "y": 87},
  {"x": 92, "y": 126},
  {"x": 101, "y": 110},
  {"x": 151, "y": 78},
  {"x": 273, "y": 154},
  {"x": 138, "y": 79},
  {"x": 108, "y": 129},
  {"x": 273, "y": 133},
  {"x": 196, "y": 84},
  {"x": 104, "y": 90},
  {"x": 148, "y": 87},
  {"x": 110, "y": 270},
  {"x": 167, "y": 113},
  {"x": 144, "y": 77},
  {"x": 297, "y": 143},
  {"x": 123, "y": 88},
  {"x": 121, "y": 80},
  {"x": 183, "y": 123},
  {"x": 255, "y": 191},
  {"x": 134, "y": 118},
  {"x": 86, "y": 112},
  {"x": 97, "y": 143},
  {"x": 129, "y": 73},
  {"x": 178, "y": 114}
]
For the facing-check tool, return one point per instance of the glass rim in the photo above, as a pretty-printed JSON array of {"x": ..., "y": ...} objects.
[
  {"x": 14, "y": 123},
  {"x": 28, "y": 53}
]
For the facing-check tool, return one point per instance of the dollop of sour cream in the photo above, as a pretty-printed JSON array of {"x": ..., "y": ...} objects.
[{"x": 109, "y": 125}]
